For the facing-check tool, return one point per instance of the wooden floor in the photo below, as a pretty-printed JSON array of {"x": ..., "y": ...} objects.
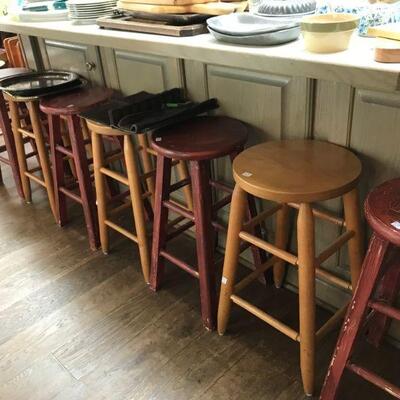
[{"x": 77, "y": 325}]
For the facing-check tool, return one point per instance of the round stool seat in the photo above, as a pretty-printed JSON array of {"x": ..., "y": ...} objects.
[
  {"x": 382, "y": 210},
  {"x": 10, "y": 72},
  {"x": 200, "y": 138},
  {"x": 75, "y": 101},
  {"x": 296, "y": 170}
]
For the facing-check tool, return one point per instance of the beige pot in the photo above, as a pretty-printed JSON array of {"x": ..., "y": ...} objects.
[{"x": 328, "y": 33}]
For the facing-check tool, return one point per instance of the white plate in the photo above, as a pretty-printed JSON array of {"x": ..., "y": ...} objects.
[
  {"x": 92, "y": 7},
  {"x": 87, "y": 2}
]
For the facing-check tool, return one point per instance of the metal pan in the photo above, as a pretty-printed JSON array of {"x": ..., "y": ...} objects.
[{"x": 39, "y": 83}]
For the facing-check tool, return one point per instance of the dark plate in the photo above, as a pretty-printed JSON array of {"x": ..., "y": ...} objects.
[{"x": 38, "y": 83}]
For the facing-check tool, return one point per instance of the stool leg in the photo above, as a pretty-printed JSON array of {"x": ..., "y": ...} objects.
[
  {"x": 57, "y": 161},
  {"x": 387, "y": 292},
  {"x": 147, "y": 164},
  {"x": 163, "y": 180},
  {"x": 135, "y": 188},
  {"x": 37, "y": 129},
  {"x": 353, "y": 223},
  {"x": 306, "y": 260},
  {"x": 100, "y": 184},
  {"x": 281, "y": 241},
  {"x": 187, "y": 190},
  {"x": 84, "y": 181},
  {"x": 202, "y": 210},
  {"x": 236, "y": 217},
  {"x": 20, "y": 148},
  {"x": 354, "y": 318},
  {"x": 5, "y": 127}
]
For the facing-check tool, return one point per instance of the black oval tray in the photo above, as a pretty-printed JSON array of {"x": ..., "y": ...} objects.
[{"x": 38, "y": 83}]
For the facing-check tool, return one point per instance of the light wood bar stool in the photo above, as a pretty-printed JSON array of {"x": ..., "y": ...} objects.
[
  {"x": 293, "y": 173},
  {"x": 38, "y": 133},
  {"x": 139, "y": 178}
]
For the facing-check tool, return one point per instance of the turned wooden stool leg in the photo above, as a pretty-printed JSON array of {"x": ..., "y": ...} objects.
[
  {"x": 20, "y": 148},
  {"x": 135, "y": 188},
  {"x": 163, "y": 179},
  {"x": 202, "y": 210},
  {"x": 100, "y": 184},
  {"x": 57, "y": 161},
  {"x": 354, "y": 318},
  {"x": 84, "y": 181},
  {"x": 306, "y": 266},
  {"x": 37, "y": 129},
  {"x": 232, "y": 251},
  {"x": 353, "y": 223},
  {"x": 9, "y": 142},
  {"x": 281, "y": 239},
  {"x": 147, "y": 164},
  {"x": 187, "y": 190}
]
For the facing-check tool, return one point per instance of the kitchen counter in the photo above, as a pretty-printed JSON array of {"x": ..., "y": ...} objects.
[
  {"x": 281, "y": 92},
  {"x": 354, "y": 66}
]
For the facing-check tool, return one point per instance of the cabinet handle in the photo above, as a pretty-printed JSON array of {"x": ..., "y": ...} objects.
[{"x": 90, "y": 66}]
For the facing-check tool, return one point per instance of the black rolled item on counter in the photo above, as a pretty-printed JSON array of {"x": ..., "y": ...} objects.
[{"x": 143, "y": 111}]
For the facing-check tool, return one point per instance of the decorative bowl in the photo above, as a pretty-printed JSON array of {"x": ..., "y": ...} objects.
[
  {"x": 273, "y": 8},
  {"x": 328, "y": 33}
]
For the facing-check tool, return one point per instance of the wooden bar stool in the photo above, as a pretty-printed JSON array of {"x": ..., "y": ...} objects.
[
  {"x": 37, "y": 132},
  {"x": 66, "y": 107},
  {"x": 376, "y": 291},
  {"x": 198, "y": 141},
  {"x": 6, "y": 132},
  {"x": 293, "y": 173},
  {"x": 140, "y": 181}
]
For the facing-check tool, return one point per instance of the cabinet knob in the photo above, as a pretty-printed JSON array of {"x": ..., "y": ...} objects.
[{"x": 90, "y": 66}]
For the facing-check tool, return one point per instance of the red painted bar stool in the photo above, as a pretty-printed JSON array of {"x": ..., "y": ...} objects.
[
  {"x": 198, "y": 141},
  {"x": 67, "y": 107},
  {"x": 293, "y": 174},
  {"x": 376, "y": 291},
  {"x": 6, "y": 132}
]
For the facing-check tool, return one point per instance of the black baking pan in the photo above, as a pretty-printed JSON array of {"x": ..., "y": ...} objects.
[
  {"x": 39, "y": 83},
  {"x": 170, "y": 19}
]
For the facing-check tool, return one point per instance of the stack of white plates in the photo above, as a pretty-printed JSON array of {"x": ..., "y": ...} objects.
[{"x": 87, "y": 11}]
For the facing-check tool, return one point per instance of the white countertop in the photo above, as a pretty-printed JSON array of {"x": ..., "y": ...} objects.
[{"x": 354, "y": 66}]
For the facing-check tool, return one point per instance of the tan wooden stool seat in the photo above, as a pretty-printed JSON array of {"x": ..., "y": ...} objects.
[
  {"x": 293, "y": 173},
  {"x": 297, "y": 170},
  {"x": 139, "y": 179}
]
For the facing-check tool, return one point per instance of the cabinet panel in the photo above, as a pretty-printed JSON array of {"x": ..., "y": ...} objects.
[
  {"x": 79, "y": 58},
  {"x": 132, "y": 72}
]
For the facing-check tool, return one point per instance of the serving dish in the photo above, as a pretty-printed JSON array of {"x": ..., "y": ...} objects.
[
  {"x": 246, "y": 24},
  {"x": 39, "y": 83},
  {"x": 328, "y": 33},
  {"x": 264, "y": 39}
]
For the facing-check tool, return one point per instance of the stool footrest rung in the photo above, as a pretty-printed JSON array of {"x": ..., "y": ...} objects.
[
  {"x": 5, "y": 160},
  {"x": 178, "y": 209},
  {"x": 35, "y": 178},
  {"x": 121, "y": 230},
  {"x": 221, "y": 186},
  {"x": 71, "y": 194},
  {"x": 180, "y": 184},
  {"x": 254, "y": 274},
  {"x": 332, "y": 322},
  {"x": 222, "y": 203},
  {"x": 334, "y": 247},
  {"x": 65, "y": 150},
  {"x": 178, "y": 230},
  {"x": 27, "y": 133},
  {"x": 115, "y": 175},
  {"x": 179, "y": 263},
  {"x": 269, "y": 247},
  {"x": 112, "y": 155},
  {"x": 385, "y": 309},
  {"x": 375, "y": 379},
  {"x": 327, "y": 216},
  {"x": 261, "y": 217},
  {"x": 269, "y": 319},
  {"x": 122, "y": 207},
  {"x": 327, "y": 276}
]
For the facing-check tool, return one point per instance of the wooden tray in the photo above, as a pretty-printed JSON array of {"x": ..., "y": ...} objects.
[
  {"x": 171, "y": 19},
  {"x": 171, "y": 2},
  {"x": 215, "y": 8},
  {"x": 129, "y": 23}
]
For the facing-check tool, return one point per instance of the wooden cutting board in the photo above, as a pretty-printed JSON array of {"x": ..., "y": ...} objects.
[
  {"x": 387, "y": 51},
  {"x": 214, "y": 8},
  {"x": 389, "y": 31},
  {"x": 171, "y": 2},
  {"x": 128, "y": 23}
]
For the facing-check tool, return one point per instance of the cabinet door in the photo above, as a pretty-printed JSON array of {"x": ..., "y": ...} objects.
[
  {"x": 80, "y": 58},
  {"x": 133, "y": 72}
]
